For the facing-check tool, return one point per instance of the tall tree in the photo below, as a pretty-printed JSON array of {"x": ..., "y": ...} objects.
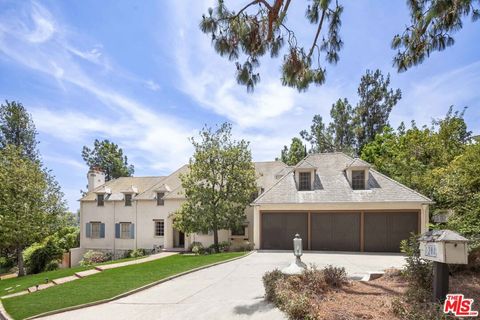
[
  {"x": 18, "y": 129},
  {"x": 293, "y": 155},
  {"x": 342, "y": 128},
  {"x": 261, "y": 27},
  {"x": 374, "y": 107},
  {"x": 29, "y": 208},
  {"x": 108, "y": 157},
  {"x": 318, "y": 136},
  {"x": 433, "y": 22},
  {"x": 219, "y": 184}
]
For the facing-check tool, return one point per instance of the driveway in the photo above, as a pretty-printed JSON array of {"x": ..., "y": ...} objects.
[{"x": 231, "y": 290}]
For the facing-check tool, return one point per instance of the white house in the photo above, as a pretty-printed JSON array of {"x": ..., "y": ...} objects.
[
  {"x": 136, "y": 212},
  {"x": 334, "y": 201}
]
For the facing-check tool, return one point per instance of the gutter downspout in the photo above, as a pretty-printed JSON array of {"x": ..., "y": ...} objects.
[
  {"x": 114, "y": 231},
  {"x": 136, "y": 224}
]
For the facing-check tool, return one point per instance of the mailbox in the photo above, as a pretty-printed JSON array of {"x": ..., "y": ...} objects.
[{"x": 444, "y": 246}]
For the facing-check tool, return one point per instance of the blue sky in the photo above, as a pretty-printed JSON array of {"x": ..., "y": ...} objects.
[{"x": 144, "y": 76}]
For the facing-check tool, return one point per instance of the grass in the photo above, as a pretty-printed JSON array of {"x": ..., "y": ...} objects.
[
  {"x": 23, "y": 283},
  {"x": 107, "y": 284}
]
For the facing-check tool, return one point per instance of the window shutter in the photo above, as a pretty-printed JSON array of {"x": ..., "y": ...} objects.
[
  {"x": 88, "y": 230},
  {"x": 132, "y": 231},
  {"x": 102, "y": 230},
  {"x": 117, "y": 230}
]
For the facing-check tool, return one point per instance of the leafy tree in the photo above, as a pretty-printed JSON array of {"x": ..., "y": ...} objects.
[
  {"x": 18, "y": 129},
  {"x": 432, "y": 24},
  {"x": 28, "y": 207},
  {"x": 373, "y": 109},
  {"x": 261, "y": 27},
  {"x": 342, "y": 127},
  {"x": 218, "y": 185},
  {"x": 254, "y": 33},
  {"x": 109, "y": 158},
  {"x": 319, "y": 136},
  {"x": 413, "y": 156},
  {"x": 293, "y": 155}
]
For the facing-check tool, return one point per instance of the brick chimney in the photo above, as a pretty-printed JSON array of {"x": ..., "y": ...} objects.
[{"x": 96, "y": 178}]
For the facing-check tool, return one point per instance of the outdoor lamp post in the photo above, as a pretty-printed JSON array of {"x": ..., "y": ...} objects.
[{"x": 297, "y": 266}]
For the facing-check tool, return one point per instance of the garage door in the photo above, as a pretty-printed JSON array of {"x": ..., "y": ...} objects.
[
  {"x": 337, "y": 231},
  {"x": 384, "y": 231},
  {"x": 279, "y": 229}
]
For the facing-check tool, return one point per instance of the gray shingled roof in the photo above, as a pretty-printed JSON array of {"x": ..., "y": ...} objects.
[
  {"x": 359, "y": 163},
  {"x": 265, "y": 173},
  {"x": 331, "y": 185},
  {"x": 118, "y": 186}
]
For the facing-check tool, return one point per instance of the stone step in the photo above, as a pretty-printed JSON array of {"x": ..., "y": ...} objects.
[
  {"x": 65, "y": 279},
  {"x": 86, "y": 273},
  {"x": 41, "y": 287},
  {"x": 16, "y": 294}
]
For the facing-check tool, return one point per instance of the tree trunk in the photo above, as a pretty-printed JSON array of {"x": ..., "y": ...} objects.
[
  {"x": 20, "y": 264},
  {"x": 215, "y": 239}
]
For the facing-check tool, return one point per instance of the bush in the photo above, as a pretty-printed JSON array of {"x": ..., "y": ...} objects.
[
  {"x": 334, "y": 276},
  {"x": 297, "y": 295},
  {"x": 93, "y": 257},
  {"x": 416, "y": 303},
  {"x": 418, "y": 271},
  {"x": 246, "y": 246},
  {"x": 52, "y": 265},
  {"x": 270, "y": 280},
  {"x": 224, "y": 246},
  {"x": 39, "y": 255},
  {"x": 137, "y": 253}
]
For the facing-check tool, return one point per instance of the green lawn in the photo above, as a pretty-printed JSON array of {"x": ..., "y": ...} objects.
[
  {"x": 23, "y": 283},
  {"x": 107, "y": 284}
]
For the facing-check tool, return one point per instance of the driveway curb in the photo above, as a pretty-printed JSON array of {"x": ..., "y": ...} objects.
[{"x": 125, "y": 294}]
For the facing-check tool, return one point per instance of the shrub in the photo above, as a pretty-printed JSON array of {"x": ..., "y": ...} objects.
[
  {"x": 93, "y": 257},
  {"x": 334, "y": 276},
  {"x": 137, "y": 253},
  {"x": 52, "y": 265},
  {"x": 39, "y": 255},
  {"x": 270, "y": 280},
  {"x": 197, "y": 248},
  {"x": 246, "y": 246},
  {"x": 224, "y": 246},
  {"x": 418, "y": 271},
  {"x": 194, "y": 244}
]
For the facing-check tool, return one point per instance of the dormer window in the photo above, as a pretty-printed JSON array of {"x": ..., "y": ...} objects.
[
  {"x": 128, "y": 200},
  {"x": 160, "y": 201},
  {"x": 305, "y": 181},
  {"x": 100, "y": 200},
  {"x": 358, "y": 179}
]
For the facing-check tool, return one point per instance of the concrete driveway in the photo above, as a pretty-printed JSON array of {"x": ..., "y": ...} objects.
[{"x": 231, "y": 290}]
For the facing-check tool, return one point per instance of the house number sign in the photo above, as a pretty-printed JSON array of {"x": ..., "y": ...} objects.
[{"x": 431, "y": 250}]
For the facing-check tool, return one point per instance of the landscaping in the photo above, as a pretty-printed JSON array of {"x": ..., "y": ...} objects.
[{"x": 107, "y": 284}]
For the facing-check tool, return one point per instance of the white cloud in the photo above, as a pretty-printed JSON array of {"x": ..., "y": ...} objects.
[
  {"x": 152, "y": 85},
  {"x": 155, "y": 137}
]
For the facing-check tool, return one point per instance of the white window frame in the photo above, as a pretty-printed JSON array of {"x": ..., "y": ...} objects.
[
  {"x": 95, "y": 228},
  {"x": 103, "y": 200},
  {"x": 309, "y": 181},
  {"x": 159, "y": 227},
  {"x": 131, "y": 199},
  {"x": 125, "y": 234},
  {"x": 357, "y": 180}
]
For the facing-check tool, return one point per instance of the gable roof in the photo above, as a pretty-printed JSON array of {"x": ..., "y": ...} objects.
[
  {"x": 359, "y": 163},
  {"x": 331, "y": 185},
  {"x": 117, "y": 187},
  {"x": 167, "y": 184}
]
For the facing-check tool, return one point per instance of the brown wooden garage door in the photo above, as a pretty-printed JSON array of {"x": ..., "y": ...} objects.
[
  {"x": 338, "y": 231},
  {"x": 279, "y": 229},
  {"x": 384, "y": 231}
]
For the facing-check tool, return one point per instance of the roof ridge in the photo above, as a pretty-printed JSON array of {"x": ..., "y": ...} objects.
[{"x": 164, "y": 178}]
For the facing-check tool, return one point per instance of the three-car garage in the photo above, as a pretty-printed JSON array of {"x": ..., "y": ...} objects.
[{"x": 369, "y": 231}]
